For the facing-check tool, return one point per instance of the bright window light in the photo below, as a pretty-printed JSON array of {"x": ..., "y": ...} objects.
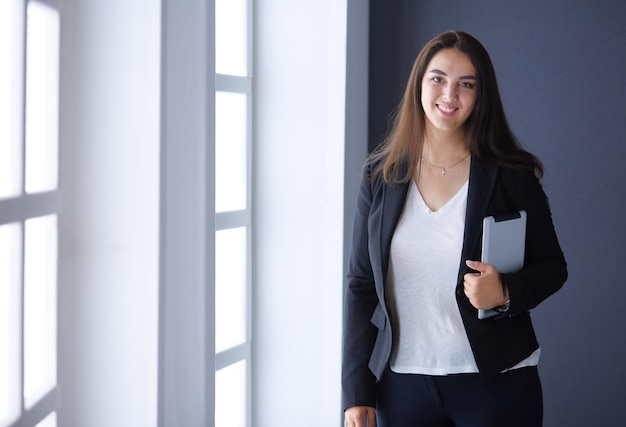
[
  {"x": 40, "y": 307},
  {"x": 42, "y": 98},
  {"x": 11, "y": 47},
  {"x": 10, "y": 304},
  {"x": 230, "y": 151},
  {"x": 49, "y": 421},
  {"x": 230, "y": 396},
  {"x": 230, "y": 288},
  {"x": 231, "y": 33}
]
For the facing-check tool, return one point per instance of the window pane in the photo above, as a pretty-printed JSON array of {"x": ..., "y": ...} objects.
[
  {"x": 49, "y": 421},
  {"x": 230, "y": 288},
  {"x": 11, "y": 41},
  {"x": 231, "y": 33},
  {"x": 40, "y": 302},
  {"x": 230, "y": 396},
  {"x": 10, "y": 310},
  {"x": 230, "y": 151},
  {"x": 42, "y": 98}
]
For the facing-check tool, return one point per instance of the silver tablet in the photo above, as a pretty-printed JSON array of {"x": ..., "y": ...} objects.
[{"x": 504, "y": 242}]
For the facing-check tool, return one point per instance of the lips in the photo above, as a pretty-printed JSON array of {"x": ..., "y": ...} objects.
[{"x": 448, "y": 109}]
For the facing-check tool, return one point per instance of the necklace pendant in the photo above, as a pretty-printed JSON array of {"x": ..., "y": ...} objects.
[{"x": 443, "y": 171}]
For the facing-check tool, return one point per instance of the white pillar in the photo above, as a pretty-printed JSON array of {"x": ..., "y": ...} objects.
[{"x": 109, "y": 219}]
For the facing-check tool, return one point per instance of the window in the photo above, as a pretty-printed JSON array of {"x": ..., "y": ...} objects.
[
  {"x": 233, "y": 121},
  {"x": 29, "y": 85}
]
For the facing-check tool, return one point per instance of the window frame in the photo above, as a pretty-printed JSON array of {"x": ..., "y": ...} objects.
[
  {"x": 19, "y": 208},
  {"x": 241, "y": 218}
]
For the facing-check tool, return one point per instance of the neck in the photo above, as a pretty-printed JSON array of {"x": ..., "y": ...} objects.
[
  {"x": 444, "y": 145},
  {"x": 444, "y": 152}
]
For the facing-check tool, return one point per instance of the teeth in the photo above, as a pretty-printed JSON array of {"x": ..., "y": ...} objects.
[{"x": 446, "y": 109}]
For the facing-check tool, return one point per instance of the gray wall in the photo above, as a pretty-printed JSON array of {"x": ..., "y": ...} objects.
[{"x": 561, "y": 67}]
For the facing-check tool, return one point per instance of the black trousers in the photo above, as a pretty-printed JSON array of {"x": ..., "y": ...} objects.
[{"x": 463, "y": 400}]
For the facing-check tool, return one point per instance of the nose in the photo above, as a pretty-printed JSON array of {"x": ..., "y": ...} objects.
[{"x": 450, "y": 92}]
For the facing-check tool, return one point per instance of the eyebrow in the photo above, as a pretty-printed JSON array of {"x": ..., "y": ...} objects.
[{"x": 436, "y": 71}]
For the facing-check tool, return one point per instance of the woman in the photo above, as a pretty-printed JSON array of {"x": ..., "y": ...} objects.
[{"x": 415, "y": 351}]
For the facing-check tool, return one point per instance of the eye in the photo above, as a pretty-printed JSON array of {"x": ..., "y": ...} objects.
[
  {"x": 467, "y": 85},
  {"x": 436, "y": 79}
]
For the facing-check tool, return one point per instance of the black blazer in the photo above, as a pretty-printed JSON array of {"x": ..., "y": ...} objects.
[{"x": 497, "y": 343}]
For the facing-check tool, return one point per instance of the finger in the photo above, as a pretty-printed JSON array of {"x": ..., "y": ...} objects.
[
  {"x": 470, "y": 279},
  {"x": 476, "y": 265},
  {"x": 371, "y": 418},
  {"x": 482, "y": 267}
]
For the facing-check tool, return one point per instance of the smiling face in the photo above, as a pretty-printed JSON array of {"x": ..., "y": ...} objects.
[{"x": 449, "y": 91}]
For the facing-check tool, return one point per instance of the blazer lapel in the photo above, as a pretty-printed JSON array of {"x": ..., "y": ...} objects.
[
  {"x": 481, "y": 185},
  {"x": 394, "y": 197}
]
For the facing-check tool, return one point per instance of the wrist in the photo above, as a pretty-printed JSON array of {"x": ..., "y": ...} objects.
[
  {"x": 506, "y": 298},
  {"x": 504, "y": 307}
]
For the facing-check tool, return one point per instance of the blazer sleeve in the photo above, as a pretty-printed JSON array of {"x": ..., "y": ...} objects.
[
  {"x": 545, "y": 268},
  {"x": 360, "y": 300}
]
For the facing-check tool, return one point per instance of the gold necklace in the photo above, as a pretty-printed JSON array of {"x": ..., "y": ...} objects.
[{"x": 444, "y": 169}]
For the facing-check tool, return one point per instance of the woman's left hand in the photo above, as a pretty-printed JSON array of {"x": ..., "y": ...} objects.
[{"x": 484, "y": 289}]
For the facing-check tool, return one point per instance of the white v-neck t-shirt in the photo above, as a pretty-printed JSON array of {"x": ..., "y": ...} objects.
[{"x": 429, "y": 336}]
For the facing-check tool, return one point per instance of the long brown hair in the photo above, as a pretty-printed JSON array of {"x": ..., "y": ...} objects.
[{"x": 488, "y": 135}]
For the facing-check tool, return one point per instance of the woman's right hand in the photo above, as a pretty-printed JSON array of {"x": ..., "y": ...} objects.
[{"x": 355, "y": 416}]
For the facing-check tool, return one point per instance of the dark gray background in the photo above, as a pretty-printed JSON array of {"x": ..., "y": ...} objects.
[{"x": 561, "y": 68}]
